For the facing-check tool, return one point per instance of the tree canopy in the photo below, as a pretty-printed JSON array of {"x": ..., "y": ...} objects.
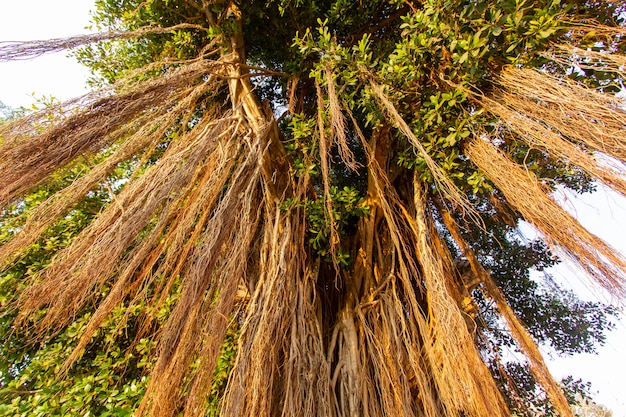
[{"x": 280, "y": 207}]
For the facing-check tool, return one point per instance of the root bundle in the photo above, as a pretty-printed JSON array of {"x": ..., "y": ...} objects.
[
  {"x": 201, "y": 218},
  {"x": 526, "y": 194}
]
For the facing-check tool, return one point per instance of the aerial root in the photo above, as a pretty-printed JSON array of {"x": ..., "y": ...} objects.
[
  {"x": 93, "y": 256},
  {"x": 527, "y": 345},
  {"x": 524, "y": 192},
  {"x": 144, "y": 139},
  {"x": 592, "y": 118},
  {"x": 33, "y": 147}
]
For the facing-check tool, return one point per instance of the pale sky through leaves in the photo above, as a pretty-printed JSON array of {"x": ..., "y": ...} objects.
[{"x": 61, "y": 77}]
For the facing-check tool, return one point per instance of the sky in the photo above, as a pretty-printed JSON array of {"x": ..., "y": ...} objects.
[{"x": 61, "y": 77}]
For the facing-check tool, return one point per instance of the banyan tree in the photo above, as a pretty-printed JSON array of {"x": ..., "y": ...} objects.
[{"x": 288, "y": 208}]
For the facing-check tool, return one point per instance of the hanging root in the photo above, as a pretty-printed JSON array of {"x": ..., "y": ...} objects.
[
  {"x": 93, "y": 257},
  {"x": 280, "y": 367},
  {"x": 165, "y": 253},
  {"x": 32, "y": 151},
  {"x": 338, "y": 123},
  {"x": 444, "y": 184},
  {"x": 417, "y": 353},
  {"x": 147, "y": 137},
  {"x": 462, "y": 375},
  {"x": 526, "y": 194},
  {"x": 12, "y": 51},
  {"x": 211, "y": 278},
  {"x": 579, "y": 29},
  {"x": 594, "y": 119},
  {"x": 511, "y": 110},
  {"x": 324, "y": 148},
  {"x": 525, "y": 342},
  {"x": 568, "y": 56}
]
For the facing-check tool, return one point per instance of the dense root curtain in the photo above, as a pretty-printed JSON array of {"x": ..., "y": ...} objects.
[
  {"x": 205, "y": 222},
  {"x": 571, "y": 123}
]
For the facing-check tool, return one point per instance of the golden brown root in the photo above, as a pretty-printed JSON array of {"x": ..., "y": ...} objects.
[
  {"x": 32, "y": 150},
  {"x": 165, "y": 253},
  {"x": 209, "y": 288},
  {"x": 324, "y": 148},
  {"x": 59, "y": 204},
  {"x": 537, "y": 135},
  {"x": 578, "y": 113},
  {"x": 338, "y": 122},
  {"x": 444, "y": 184},
  {"x": 92, "y": 258},
  {"x": 526, "y": 194},
  {"x": 568, "y": 55},
  {"x": 281, "y": 327},
  {"x": 462, "y": 375}
]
